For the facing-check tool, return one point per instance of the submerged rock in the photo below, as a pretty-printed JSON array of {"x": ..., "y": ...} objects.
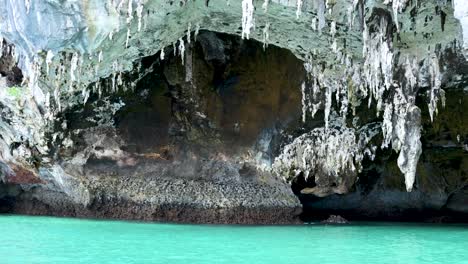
[{"x": 335, "y": 219}]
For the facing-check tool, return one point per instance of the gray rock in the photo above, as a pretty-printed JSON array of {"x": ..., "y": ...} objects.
[{"x": 335, "y": 219}]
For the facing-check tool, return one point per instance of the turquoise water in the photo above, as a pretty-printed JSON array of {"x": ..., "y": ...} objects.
[{"x": 60, "y": 240}]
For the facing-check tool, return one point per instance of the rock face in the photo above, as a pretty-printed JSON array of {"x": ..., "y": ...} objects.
[
  {"x": 441, "y": 178},
  {"x": 161, "y": 110},
  {"x": 188, "y": 144}
]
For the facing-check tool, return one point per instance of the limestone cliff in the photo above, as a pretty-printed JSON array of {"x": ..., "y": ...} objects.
[{"x": 165, "y": 110}]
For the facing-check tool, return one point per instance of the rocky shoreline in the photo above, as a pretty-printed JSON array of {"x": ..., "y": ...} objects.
[{"x": 171, "y": 213}]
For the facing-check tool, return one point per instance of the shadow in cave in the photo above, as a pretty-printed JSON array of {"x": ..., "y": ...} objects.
[{"x": 228, "y": 97}]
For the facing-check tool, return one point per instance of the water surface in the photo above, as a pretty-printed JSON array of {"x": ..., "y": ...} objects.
[{"x": 26, "y": 239}]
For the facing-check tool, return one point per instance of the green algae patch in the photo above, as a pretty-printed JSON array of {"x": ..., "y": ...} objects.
[{"x": 14, "y": 91}]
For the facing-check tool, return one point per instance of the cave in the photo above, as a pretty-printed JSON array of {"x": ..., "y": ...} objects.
[
  {"x": 220, "y": 104},
  {"x": 209, "y": 123},
  {"x": 195, "y": 119}
]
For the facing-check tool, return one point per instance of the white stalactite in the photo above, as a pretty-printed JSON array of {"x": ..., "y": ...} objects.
[
  {"x": 27, "y": 4},
  {"x": 127, "y": 39},
  {"x": 299, "y": 9},
  {"x": 181, "y": 50},
  {"x": 397, "y": 7},
  {"x": 265, "y": 5},
  {"x": 189, "y": 32},
  {"x": 247, "y": 18},
  {"x": 129, "y": 11},
  {"x": 139, "y": 11},
  {"x": 304, "y": 102},
  {"x": 49, "y": 57},
  {"x": 73, "y": 67},
  {"x": 266, "y": 35},
  {"x": 197, "y": 30},
  {"x": 321, "y": 10},
  {"x": 436, "y": 92}
]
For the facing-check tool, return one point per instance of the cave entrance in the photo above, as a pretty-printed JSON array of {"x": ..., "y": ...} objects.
[{"x": 226, "y": 98}]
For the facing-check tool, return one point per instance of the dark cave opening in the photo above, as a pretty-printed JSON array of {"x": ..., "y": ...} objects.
[
  {"x": 236, "y": 93},
  {"x": 300, "y": 182},
  {"x": 379, "y": 192},
  {"x": 6, "y": 204},
  {"x": 8, "y": 194}
]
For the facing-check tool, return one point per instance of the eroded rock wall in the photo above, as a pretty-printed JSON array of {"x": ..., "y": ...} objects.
[
  {"x": 190, "y": 143},
  {"x": 372, "y": 79}
]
